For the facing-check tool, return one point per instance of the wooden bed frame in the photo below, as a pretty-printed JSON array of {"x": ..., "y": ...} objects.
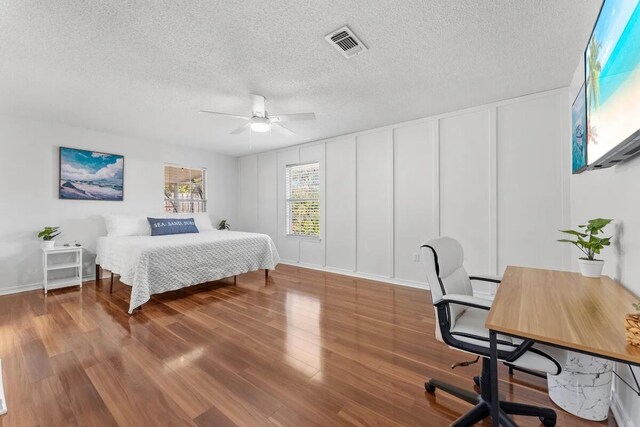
[{"x": 235, "y": 279}]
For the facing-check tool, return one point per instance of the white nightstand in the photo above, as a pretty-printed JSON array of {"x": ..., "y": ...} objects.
[{"x": 49, "y": 263}]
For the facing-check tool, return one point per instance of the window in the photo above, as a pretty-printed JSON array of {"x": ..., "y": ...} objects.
[
  {"x": 184, "y": 190},
  {"x": 303, "y": 200}
]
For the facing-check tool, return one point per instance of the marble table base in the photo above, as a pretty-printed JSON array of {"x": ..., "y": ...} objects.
[{"x": 584, "y": 386}]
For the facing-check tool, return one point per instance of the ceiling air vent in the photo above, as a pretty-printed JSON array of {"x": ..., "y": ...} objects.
[{"x": 346, "y": 42}]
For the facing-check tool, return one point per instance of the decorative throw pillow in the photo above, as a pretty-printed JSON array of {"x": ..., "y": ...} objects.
[
  {"x": 203, "y": 222},
  {"x": 165, "y": 226}
]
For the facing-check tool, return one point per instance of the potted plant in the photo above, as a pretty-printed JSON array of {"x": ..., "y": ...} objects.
[
  {"x": 587, "y": 241},
  {"x": 224, "y": 225},
  {"x": 632, "y": 323},
  {"x": 48, "y": 234}
]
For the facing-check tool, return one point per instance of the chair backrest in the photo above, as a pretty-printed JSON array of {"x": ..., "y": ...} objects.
[{"x": 442, "y": 259}]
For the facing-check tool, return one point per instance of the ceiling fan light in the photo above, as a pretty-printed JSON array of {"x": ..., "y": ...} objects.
[{"x": 260, "y": 124}]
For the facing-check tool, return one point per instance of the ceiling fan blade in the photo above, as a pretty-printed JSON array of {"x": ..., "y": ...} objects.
[
  {"x": 257, "y": 105},
  {"x": 241, "y": 129},
  {"x": 283, "y": 130},
  {"x": 235, "y": 116},
  {"x": 292, "y": 117}
]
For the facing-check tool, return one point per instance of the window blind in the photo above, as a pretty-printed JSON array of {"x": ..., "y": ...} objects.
[
  {"x": 303, "y": 199},
  {"x": 184, "y": 190}
]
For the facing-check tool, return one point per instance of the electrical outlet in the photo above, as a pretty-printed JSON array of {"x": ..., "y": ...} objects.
[{"x": 416, "y": 257}]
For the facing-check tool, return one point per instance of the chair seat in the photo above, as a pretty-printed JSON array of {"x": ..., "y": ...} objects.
[{"x": 540, "y": 358}]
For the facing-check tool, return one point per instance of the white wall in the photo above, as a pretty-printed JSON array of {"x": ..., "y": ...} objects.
[
  {"x": 612, "y": 193},
  {"x": 386, "y": 191},
  {"x": 415, "y": 195},
  {"x": 465, "y": 186},
  {"x": 374, "y": 203},
  {"x": 29, "y": 173},
  {"x": 340, "y": 204}
]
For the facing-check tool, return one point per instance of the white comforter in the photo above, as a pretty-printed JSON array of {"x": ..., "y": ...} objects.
[{"x": 151, "y": 265}]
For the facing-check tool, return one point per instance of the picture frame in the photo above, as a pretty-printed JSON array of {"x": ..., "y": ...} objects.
[
  {"x": 90, "y": 175},
  {"x": 579, "y": 132}
]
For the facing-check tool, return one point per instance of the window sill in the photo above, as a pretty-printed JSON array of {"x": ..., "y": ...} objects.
[{"x": 305, "y": 238}]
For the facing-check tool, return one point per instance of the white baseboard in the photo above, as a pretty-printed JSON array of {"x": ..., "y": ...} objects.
[
  {"x": 620, "y": 414},
  {"x": 391, "y": 280},
  {"x": 20, "y": 288},
  {"x": 36, "y": 286}
]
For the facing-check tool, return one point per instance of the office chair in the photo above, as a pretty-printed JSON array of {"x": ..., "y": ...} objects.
[{"x": 460, "y": 318}]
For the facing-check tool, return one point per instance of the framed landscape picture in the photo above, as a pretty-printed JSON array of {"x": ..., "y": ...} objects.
[
  {"x": 579, "y": 133},
  {"x": 91, "y": 175}
]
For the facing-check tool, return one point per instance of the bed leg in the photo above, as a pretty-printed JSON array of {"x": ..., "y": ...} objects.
[
  {"x": 97, "y": 273},
  {"x": 266, "y": 276},
  {"x": 235, "y": 280},
  {"x": 111, "y": 284}
]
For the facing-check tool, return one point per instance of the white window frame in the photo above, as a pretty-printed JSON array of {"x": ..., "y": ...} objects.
[
  {"x": 177, "y": 201},
  {"x": 289, "y": 200}
]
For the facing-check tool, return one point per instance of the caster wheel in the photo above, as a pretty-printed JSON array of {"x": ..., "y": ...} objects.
[
  {"x": 476, "y": 380},
  {"x": 548, "y": 422},
  {"x": 429, "y": 388}
]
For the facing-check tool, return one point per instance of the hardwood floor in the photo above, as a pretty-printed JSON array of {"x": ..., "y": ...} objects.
[{"x": 310, "y": 348}]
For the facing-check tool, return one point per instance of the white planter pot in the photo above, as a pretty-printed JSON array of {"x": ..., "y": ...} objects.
[
  {"x": 583, "y": 388},
  {"x": 48, "y": 244},
  {"x": 591, "y": 268}
]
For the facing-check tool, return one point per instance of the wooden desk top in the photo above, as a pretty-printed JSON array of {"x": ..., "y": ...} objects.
[{"x": 565, "y": 309}]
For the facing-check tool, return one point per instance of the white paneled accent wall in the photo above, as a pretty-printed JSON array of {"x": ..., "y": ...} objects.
[
  {"x": 415, "y": 197},
  {"x": 340, "y": 204},
  {"x": 490, "y": 176},
  {"x": 465, "y": 190},
  {"x": 374, "y": 203}
]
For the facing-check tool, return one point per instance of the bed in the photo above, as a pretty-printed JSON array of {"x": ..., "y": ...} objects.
[{"x": 156, "y": 264}]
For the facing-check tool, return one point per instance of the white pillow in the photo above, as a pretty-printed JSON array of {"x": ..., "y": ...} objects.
[
  {"x": 203, "y": 222},
  {"x": 127, "y": 225}
]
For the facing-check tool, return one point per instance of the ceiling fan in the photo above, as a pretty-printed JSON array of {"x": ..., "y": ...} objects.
[{"x": 260, "y": 121}]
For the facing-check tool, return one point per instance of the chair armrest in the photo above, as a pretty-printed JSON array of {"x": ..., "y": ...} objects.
[
  {"x": 466, "y": 300},
  {"x": 492, "y": 279}
]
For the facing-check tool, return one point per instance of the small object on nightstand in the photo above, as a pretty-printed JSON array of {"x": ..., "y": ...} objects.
[{"x": 49, "y": 265}]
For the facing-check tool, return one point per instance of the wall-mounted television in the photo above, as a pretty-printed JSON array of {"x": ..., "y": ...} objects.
[{"x": 612, "y": 76}]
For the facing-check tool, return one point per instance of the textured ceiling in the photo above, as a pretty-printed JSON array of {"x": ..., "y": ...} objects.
[{"x": 145, "y": 68}]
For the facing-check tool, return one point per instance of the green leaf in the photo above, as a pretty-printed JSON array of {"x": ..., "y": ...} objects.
[
  {"x": 573, "y": 233},
  {"x": 599, "y": 223}
]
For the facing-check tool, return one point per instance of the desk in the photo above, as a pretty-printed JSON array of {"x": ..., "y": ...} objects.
[{"x": 561, "y": 309}]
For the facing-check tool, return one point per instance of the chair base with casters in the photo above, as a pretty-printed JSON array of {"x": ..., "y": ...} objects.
[{"x": 482, "y": 402}]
